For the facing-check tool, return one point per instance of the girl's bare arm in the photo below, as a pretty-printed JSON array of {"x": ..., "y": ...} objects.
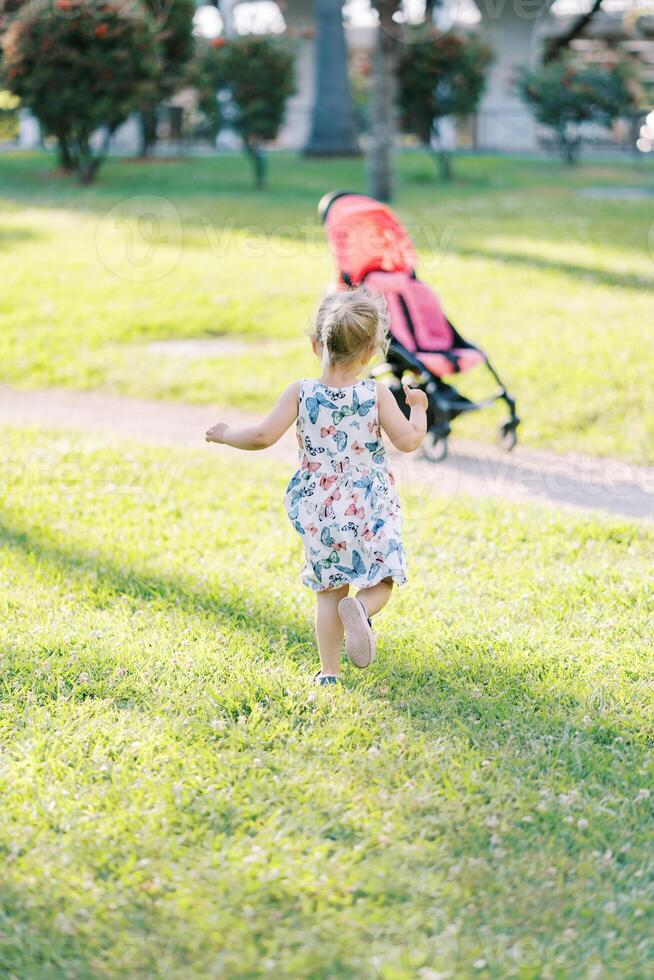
[
  {"x": 406, "y": 434},
  {"x": 267, "y": 432}
]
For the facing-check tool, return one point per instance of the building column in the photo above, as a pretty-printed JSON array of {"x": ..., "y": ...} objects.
[
  {"x": 513, "y": 29},
  {"x": 333, "y": 128}
]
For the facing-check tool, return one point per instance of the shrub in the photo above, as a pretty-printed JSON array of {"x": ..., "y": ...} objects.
[
  {"x": 78, "y": 67},
  {"x": 563, "y": 95},
  {"x": 439, "y": 75},
  {"x": 255, "y": 75}
]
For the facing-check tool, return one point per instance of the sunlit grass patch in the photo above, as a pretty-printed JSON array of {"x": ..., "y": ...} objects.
[{"x": 177, "y": 797}]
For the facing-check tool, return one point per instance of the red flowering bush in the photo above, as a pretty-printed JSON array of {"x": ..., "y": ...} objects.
[
  {"x": 563, "y": 95},
  {"x": 80, "y": 66}
]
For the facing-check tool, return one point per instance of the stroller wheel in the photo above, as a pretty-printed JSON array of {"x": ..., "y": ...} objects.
[
  {"x": 507, "y": 437},
  {"x": 435, "y": 447}
]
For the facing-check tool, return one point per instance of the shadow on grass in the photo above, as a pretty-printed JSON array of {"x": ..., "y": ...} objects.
[
  {"x": 597, "y": 276},
  {"x": 15, "y": 236},
  {"x": 35, "y": 946},
  {"x": 492, "y": 704}
]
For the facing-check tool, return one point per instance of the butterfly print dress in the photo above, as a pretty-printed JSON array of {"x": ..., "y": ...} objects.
[{"x": 342, "y": 500}]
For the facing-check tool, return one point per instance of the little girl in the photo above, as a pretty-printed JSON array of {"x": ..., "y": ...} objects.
[{"x": 342, "y": 501}]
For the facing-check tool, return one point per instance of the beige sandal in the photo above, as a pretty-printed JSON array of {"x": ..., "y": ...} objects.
[{"x": 360, "y": 643}]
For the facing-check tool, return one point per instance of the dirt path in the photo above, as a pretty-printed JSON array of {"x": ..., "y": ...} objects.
[{"x": 568, "y": 480}]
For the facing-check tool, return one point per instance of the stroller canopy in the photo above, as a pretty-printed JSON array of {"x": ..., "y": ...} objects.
[{"x": 365, "y": 236}]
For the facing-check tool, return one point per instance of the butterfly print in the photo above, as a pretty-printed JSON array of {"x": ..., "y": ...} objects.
[
  {"x": 393, "y": 545},
  {"x": 358, "y": 408},
  {"x": 332, "y": 559},
  {"x": 369, "y": 532},
  {"x": 326, "y": 537},
  {"x": 351, "y": 526},
  {"x": 365, "y": 483},
  {"x": 315, "y": 402},
  {"x": 358, "y": 567},
  {"x": 341, "y": 501},
  {"x": 313, "y": 450},
  {"x": 328, "y": 504},
  {"x": 310, "y": 467},
  {"x": 377, "y": 450}
]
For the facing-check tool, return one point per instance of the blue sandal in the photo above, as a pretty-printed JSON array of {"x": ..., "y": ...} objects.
[{"x": 323, "y": 679}]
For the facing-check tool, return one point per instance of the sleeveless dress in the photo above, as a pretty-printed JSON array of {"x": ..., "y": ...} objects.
[{"x": 342, "y": 500}]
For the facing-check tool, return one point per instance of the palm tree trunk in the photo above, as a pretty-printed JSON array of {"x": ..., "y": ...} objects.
[
  {"x": 333, "y": 130},
  {"x": 383, "y": 105}
]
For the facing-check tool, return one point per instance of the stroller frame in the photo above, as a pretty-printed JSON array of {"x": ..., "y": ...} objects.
[{"x": 445, "y": 402}]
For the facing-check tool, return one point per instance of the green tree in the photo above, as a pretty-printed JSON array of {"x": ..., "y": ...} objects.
[
  {"x": 257, "y": 73},
  {"x": 80, "y": 67},
  {"x": 439, "y": 75},
  {"x": 563, "y": 94}
]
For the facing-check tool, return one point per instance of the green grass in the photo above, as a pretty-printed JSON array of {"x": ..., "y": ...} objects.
[
  {"x": 557, "y": 287},
  {"x": 178, "y": 801}
]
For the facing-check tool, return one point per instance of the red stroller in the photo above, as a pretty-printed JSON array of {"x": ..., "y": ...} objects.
[{"x": 369, "y": 244}]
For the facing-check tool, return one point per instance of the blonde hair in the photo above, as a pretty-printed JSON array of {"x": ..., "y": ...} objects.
[{"x": 349, "y": 324}]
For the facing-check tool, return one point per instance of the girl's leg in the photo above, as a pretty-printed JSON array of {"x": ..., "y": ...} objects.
[
  {"x": 329, "y": 629},
  {"x": 376, "y": 597}
]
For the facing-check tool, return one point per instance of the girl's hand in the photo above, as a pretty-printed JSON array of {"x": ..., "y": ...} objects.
[
  {"x": 415, "y": 397},
  {"x": 217, "y": 432}
]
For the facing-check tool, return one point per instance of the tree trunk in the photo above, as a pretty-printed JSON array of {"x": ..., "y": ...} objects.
[
  {"x": 64, "y": 155},
  {"x": 383, "y": 105},
  {"x": 333, "y": 129},
  {"x": 88, "y": 162},
  {"x": 444, "y": 160},
  {"x": 259, "y": 164},
  {"x": 148, "y": 131},
  {"x": 569, "y": 147},
  {"x": 442, "y": 156}
]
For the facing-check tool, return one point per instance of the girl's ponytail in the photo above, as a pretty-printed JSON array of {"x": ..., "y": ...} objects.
[{"x": 325, "y": 332}]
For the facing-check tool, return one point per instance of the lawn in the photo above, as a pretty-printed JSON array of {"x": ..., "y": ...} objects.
[
  {"x": 179, "y": 801},
  {"x": 555, "y": 285}
]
